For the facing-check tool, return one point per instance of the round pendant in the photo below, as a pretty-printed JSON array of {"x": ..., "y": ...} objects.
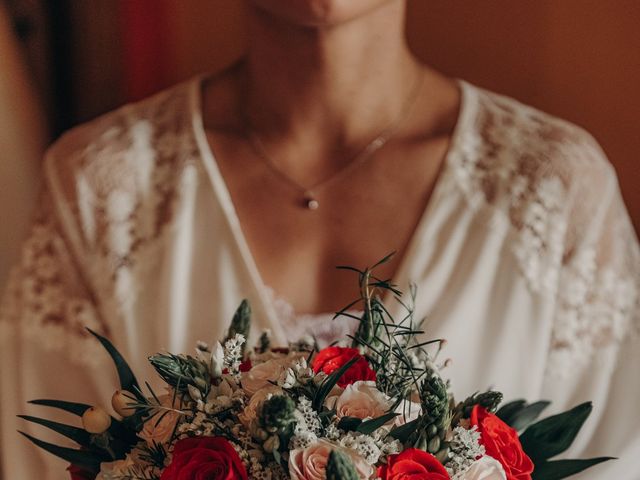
[{"x": 312, "y": 203}]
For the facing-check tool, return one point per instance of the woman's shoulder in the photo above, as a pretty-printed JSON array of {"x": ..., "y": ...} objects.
[
  {"x": 515, "y": 148},
  {"x": 519, "y": 159},
  {"x": 546, "y": 178},
  {"x": 125, "y": 164},
  {"x": 126, "y": 129}
]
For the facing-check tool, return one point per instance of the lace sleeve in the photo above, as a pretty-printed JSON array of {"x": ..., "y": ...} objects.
[
  {"x": 47, "y": 301},
  {"x": 598, "y": 300}
]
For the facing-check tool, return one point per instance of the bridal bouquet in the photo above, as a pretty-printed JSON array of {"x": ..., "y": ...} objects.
[{"x": 377, "y": 408}]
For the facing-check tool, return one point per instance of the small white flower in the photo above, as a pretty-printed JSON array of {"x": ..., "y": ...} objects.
[{"x": 287, "y": 378}]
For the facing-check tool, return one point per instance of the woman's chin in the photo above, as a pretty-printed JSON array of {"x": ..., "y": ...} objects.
[{"x": 318, "y": 13}]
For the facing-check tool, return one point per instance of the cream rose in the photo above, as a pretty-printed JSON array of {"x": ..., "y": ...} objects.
[
  {"x": 115, "y": 470},
  {"x": 311, "y": 463},
  {"x": 262, "y": 375},
  {"x": 361, "y": 400},
  {"x": 159, "y": 427},
  {"x": 486, "y": 468}
]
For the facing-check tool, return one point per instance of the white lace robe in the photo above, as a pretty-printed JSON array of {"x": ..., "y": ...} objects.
[{"x": 525, "y": 260}]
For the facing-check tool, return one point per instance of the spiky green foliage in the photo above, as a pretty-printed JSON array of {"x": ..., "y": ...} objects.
[
  {"x": 182, "y": 371},
  {"x": 241, "y": 322},
  {"x": 278, "y": 415},
  {"x": 489, "y": 400}
]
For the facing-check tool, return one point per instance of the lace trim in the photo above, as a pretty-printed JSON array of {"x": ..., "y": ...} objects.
[
  {"x": 125, "y": 185},
  {"x": 554, "y": 186},
  {"x": 45, "y": 299},
  {"x": 320, "y": 326}
]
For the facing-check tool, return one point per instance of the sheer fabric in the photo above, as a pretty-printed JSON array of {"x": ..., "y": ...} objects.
[{"x": 525, "y": 260}]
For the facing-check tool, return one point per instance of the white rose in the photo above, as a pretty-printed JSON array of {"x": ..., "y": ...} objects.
[
  {"x": 361, "y": 400},
  {"x": 311, "y": 463},
  {"x": 486, "y": 468}
]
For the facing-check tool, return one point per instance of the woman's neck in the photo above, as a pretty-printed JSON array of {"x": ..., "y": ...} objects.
[{"x": 336, "y": 86}]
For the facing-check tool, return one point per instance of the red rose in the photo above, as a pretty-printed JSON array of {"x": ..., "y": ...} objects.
[
  {"x": 78, "y": 473},
  {"x": 413, "y": 464},
  {"x": 246, "y": 365},
  {"x": 502, "y": 443},
  {"x": 331, "y": 359},
  {"x": 212, "y": 458}
]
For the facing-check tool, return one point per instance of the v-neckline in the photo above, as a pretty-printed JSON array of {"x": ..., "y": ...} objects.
[{"x": 420, "y": 234}]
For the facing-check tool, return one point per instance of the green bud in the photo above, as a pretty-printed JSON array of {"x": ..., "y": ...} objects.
[
  {"x": 340, "y": 467},
  {"x": 278, "y": 414},
  {"x": 241, "y": 322},
  {"x": 434, "y": 445}
]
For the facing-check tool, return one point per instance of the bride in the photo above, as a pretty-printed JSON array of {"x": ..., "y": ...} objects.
[{"x": 329, "y": 144}]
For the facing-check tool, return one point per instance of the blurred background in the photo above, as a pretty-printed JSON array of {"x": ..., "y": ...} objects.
[{"x": 66, "y": 61}]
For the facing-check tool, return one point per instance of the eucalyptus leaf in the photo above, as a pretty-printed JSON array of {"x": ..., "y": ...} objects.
[
  {"x": 528, "y": 415},
  {"x": 81, "y": 458},
  {"x": 558, "y": 469},
  {"x": 349, "y": 424},
  {"x": 402, "y": 432},
  {"x": 553, "y": 435},
  {"x": 127, "y": 378},
  {"x": 71, "y": 407},
  {"x": 370, "y": 426},
  {"x": 330, "y": 382},
  {"x": 78, "y": 435},
  {"x": 508, "y": 411}
]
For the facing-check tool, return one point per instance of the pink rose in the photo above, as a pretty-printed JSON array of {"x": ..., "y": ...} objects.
[{"x": 311, "y": 463}]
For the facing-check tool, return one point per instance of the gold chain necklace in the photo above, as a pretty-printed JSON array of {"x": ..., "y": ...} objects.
[{"x": 308, "y": 193}]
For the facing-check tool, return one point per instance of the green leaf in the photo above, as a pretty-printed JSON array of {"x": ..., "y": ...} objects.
[
  {"x": 528, "y": 415},
  {"x": 127, "y": 378},
  {"x": 553, "y": 435},
  {"x": 508, "y": 411},
  {"x": 330, "y": 382},
  {"x": 557, "y": 469},
  {"x": 349, "y": 424},
  {"x": 78, "y": 435},
  {"x": 402, "y": 432},
  {"x": 372, "y": 425},
  {"x": 80, "y": 458},
  {"x": 71, "y": 407},
  {"x": 384, "y": 260}
]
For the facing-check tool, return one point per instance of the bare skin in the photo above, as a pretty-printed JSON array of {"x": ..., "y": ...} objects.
[{"x": 317, "y": 87}]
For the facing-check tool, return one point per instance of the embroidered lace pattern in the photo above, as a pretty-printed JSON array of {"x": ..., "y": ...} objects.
[
  {"x": 571, "y": 234},
  {"x": 125, "y": 188},
  {"x": 46, "y": 299},
  {"x": 320, "y": 326},
  {"x": 116, "y": 181}
]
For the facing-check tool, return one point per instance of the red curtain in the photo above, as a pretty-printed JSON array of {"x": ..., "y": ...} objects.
[{"x": 146, "y": 55}]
